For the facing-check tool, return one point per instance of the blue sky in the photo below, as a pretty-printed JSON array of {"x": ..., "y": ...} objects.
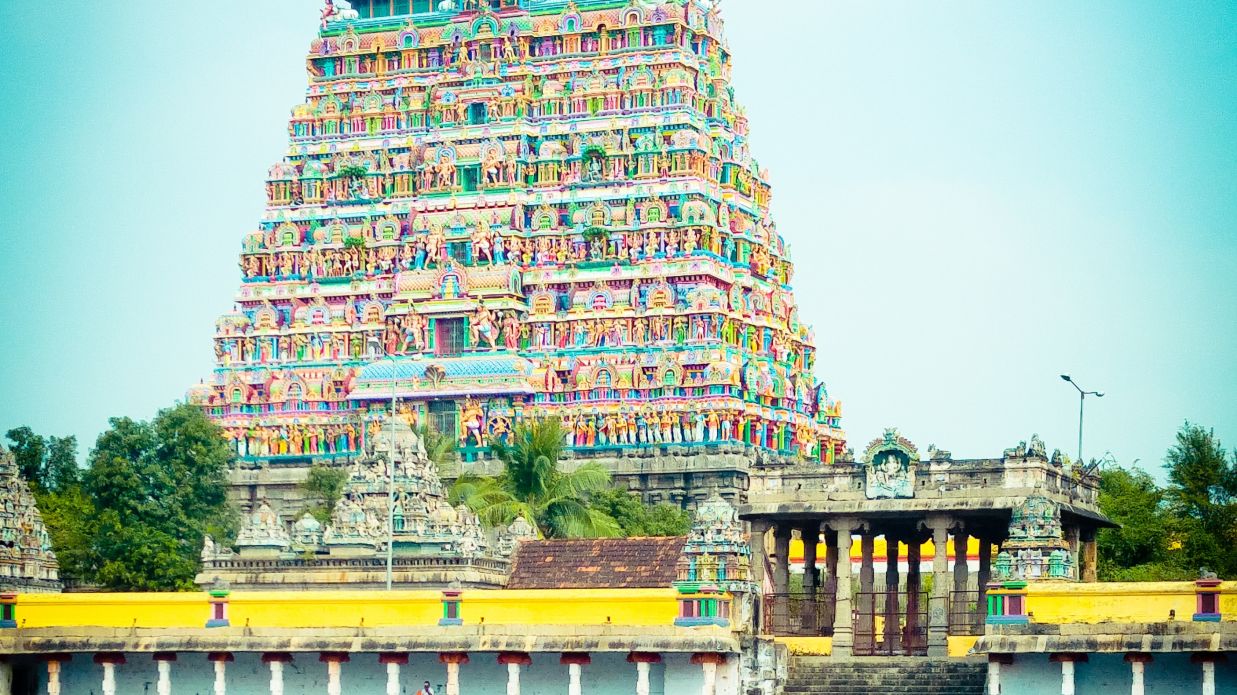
[{"x": 979, "y": 196}]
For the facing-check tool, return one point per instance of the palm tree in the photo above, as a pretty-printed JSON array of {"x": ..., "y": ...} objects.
[
  {"x": 439, "y": 448},
  {"x": 533, "y": 486}
]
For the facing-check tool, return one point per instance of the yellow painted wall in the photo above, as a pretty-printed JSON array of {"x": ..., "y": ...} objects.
[
  {"x": 879, "y": 550},
  {"x": 1060, "y": 602},
  {"x": 807, "y": 646},
  {"x": 112, "y": 610},
  {"x": 308, "y": 609},
  {"x": 572, "y": 607},
  {"x": 961, "y": 646},
  {"x": 335, "y": 608}
]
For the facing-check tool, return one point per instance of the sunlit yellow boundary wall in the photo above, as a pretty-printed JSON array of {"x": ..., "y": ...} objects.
[
  {"x": 1125, "y": 602},
  {"x": 310, "y": 609}
]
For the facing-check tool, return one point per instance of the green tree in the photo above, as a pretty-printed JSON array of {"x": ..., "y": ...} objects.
[
  {"x": 638, "y": 519},
  {"x": 439, "y": 448},
  {"x": 29, "y": 450},
  {"x": 1140, "y": 550},
  {"x": 60, "y": 469},
  {"x": 157, "y": 489},
  {"x": 1202, "y": 494},
  {"x": 324, "y": 486},
  {"x": 532, "y": 485}
]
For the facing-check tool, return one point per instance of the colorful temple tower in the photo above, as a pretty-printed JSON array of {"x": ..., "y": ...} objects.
[
  {"x": 491, "y": 211},
  {"x": 27, "y": 563}
]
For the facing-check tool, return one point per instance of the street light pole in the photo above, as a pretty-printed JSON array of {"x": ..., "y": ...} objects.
[
  {"x": 391, "y": 485},
  {"x": 1082, "y": 399}
]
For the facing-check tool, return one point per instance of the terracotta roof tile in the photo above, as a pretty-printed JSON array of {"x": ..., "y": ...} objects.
[{"x": 601, "y": 563}]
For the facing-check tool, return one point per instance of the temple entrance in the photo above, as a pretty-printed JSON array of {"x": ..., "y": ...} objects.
[{"x": 891, "y": 624}]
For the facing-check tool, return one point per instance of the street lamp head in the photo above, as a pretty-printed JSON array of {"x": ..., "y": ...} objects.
[
  {"x": 1099, "y": 394},
  {"x": 1065, "y": 377}
]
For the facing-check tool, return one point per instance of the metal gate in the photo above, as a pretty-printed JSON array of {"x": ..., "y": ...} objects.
[
  {"x": 798, "y": 614},
  {"x": 891, "y": 624},
  {"x": 965, "y": 616}
]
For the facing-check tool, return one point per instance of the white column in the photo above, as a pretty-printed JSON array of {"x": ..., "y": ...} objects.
[
  {"x": 164, "y": 686},
  {"x": 994, "y": 678},
  {"x": 710, "y": 678},
  {"x": 53, "y": 677},
  {"x": 642, "y": 678},
  {"x": 276, "y": 678},
  {"x": 1209, "y": 678},
  {"x": 221, "y": 677},
  {"x": 392, "y": 678},
  {"x": 1137, "y": 669},
  {"x": 6, "y": 677},
  {"x": 333, "y": 686},
  {"x": 573, "y": 686},
  {"x": 453, "y": 678},
  {"x": 513, "y": 679},
  {"x": 109, "y": 678},
  {"x": 1067, "y": 677}
]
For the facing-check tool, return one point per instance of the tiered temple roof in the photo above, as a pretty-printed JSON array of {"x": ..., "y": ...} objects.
[
  {"x": 491, "y": 211},
  {"x": 27, "y": 563}
]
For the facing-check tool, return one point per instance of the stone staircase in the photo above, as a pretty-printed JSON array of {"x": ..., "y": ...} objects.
[{"x": 885, "y": 676}]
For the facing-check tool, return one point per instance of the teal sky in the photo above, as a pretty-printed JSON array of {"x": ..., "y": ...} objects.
[{"x": 979, "y": 196}]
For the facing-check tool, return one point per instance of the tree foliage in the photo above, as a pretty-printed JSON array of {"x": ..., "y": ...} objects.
[
  {"x": 1170, "y": 533},
  {"x": 635, "y": 518},
  {"x": 137, "y": 517},
  {"x": 532, "y": 485},
  {"x": 324, "y": 487},
  {"x": 48, "y": 464}
]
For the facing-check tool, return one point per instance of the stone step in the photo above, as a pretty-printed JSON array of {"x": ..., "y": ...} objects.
[{"x": 886, "y": 676}]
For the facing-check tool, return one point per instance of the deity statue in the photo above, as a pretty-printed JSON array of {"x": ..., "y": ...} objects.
[{"x": 483, "y": 327}]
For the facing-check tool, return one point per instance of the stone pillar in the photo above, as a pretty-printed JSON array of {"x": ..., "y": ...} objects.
[
  {"x": 1207, "y": 660},
  {"x": 865, "y": 602},
  {"x": 1067, "y": 662},
  {"x": 221, "y": 660},
  {"x": 163, "y": 663},
  {"x": 644, "y": 662},
  {"x": 1072, "y": 537},
  {"x": 983, "y": 577},
  {"x": 109, "y": 662},
  {"x": 1138, "y": 667},
  {"x": 843, "y": 628},
  {"x": 760, "y": 528},
  {"x": 830, "y": 585},
  {"x": 938, "y": 616},
  {"x": 575, "y": 664},
  {"x": 1090, "y": 557},
  {"x": 709, "y": 663},
  {"x": 781, "y": 553},
  {"x": 893, "y": 626},
  {"x": 513, "y": 661},
  {"x": 811, "y": 534},
  {"x": 453, "y": 660},
  {"x": 914, "y": 588},
  {"x": 276, "y": 661},
  {"x": 393, "y": 662},
  {"x": 995, "y": 661},
  {"x": 6, "y": 677},
  {"x": 957, "y": 604},
  {"x": 334, "y": 671},
  {"x": 54, "y": 663}
]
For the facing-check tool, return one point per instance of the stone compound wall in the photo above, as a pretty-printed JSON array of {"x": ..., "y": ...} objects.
[{"x": 608, "y": 674}]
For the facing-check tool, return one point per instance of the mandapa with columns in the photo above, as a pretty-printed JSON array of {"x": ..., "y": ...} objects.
[
  {"x": 114, "y": 673},
  {"x": 1030, "y": 515}
]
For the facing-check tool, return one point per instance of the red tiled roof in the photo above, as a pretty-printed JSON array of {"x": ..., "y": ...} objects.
[{"x": 596, "y": 563}]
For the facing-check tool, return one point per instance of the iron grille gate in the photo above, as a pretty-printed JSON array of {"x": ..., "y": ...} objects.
[
  {"x": 799, "y": 614},
  {"x": 891, "y": 624},
  {"x": 965, "y": 616}
]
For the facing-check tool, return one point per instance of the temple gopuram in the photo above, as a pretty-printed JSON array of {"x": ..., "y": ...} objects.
[
  {"x": 27, "y": 563},
  {"x": 491, "y": 211}
]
